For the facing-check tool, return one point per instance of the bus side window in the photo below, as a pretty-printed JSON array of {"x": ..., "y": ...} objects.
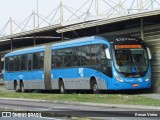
[
  {"x": 30, "y": 60},
  {"x": 23, "y": 62},
  {"x": 77, "y": 56},
  {"x": 7, "y": 64},
  {"x": 68, "y": 57},
  {"x": 11, "y": 64},
  {"x": 41, "y": 60},
  {"x": 35, "y": 60},
  {"x": 17, "y": 63},
  {"x": 74, "y": 57},
  {"x": 60, "y": 58},
  {"x": 95, "y": 55},
  {"x": 85, "y": 55},
  {"x": 55, "y": 59}
]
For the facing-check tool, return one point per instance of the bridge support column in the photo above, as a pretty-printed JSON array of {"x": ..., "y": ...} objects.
[
  {"x": 142, "y": 29},
  {"x": 34, "y": 40},
  {"x": 11, "y": 44},
  {"x": 62, "y": 37}
]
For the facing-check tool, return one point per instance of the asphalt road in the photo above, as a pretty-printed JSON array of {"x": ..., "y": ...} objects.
[{"x": 54, "y": 110}]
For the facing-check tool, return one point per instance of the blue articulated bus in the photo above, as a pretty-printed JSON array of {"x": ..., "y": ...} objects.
[{"x": 91, "y": 63}]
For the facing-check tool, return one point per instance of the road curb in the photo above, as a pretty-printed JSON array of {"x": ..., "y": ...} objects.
[{"x": 138, "y": 107}]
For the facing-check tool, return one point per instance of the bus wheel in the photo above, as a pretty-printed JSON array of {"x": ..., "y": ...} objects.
[
  {"x": 16, "y": 87},
  {"x": 61, "y": 87},
  {"x": 94, "y": 87},
  {"x": 22, "y": 87}
]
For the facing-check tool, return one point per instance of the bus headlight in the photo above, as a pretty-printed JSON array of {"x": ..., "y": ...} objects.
[
  {"x": 148, "y": 77},
  {"x": 118, "y": 77}
]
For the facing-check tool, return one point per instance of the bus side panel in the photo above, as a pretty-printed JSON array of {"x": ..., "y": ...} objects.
[
  {"x": 15, "y": 76},
  {"x": 32, "y": 80},
  {"x": 9, "y": 83},
  {"x": 70, "y": 76},
  {"x": 76, "y": 78},
  {"x": 71, "y": 79},
  {"x": 35, "y": 80}
]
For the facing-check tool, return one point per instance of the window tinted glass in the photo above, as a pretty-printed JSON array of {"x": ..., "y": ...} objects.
[
  {"x": 7, "y": 64},
  {"x": 17, "y": 63},
  {"x": 23, "y": 61},
  {"x": 85, "y": 55},
  {"x": 59, "y": 58},
  {"x": 41, "y": 60},
  {"x": 67, "y": 57},
  {"x": 11, "y": 64},
  {"x": 54, "y": 59},
  {"x": 95, "y": 54},
  {"x": 30, "y": 61},
  {"x": 77, "y": 56},
  {"x": 35, "y": 60}
]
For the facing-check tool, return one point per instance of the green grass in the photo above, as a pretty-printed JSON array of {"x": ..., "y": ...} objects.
[{"x": 91, "y": 98}]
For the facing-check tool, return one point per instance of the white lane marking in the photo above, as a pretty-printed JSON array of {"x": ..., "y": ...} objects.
[
  {"x": 51, "y": 108},
  {"x": 50, "y": 118},
  {"x": 58, "y": 107},
  {"x": 41, "y": 108}
]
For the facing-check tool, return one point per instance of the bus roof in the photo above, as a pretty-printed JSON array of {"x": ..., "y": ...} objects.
[
  {"x": 70, "y": 43},
  {"x": 26, "y": 50},
  {"x": 117, "y": 39},
  {"x": 80, "y": 41}
]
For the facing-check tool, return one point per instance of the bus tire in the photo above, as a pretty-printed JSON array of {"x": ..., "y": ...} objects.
[
  {"x": 61, "y": 87},
  {"x": 94, "y": 87},
  {"x": 22, "y": 87},
  {"x": 16, "y": 86}
]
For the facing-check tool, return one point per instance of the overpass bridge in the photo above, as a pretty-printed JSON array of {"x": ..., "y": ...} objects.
[{"x": 142, "y": 23}]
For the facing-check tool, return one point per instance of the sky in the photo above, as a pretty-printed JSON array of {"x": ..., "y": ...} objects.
[{"x": 19, "y": 10}]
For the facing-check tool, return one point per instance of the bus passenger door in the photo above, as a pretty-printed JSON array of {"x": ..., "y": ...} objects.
[{"x": 106, "y": 61}]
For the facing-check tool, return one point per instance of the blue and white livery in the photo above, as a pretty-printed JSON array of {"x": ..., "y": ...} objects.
[{"x": 91, "y": 63}]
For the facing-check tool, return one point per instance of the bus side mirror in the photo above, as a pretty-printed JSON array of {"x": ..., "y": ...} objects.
[
  {"x": 149, "y": 53},
  {"x": 107, "y": 53}
]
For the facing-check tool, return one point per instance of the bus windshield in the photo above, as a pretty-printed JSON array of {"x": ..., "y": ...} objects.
[{"x": 131, "y": 62}]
